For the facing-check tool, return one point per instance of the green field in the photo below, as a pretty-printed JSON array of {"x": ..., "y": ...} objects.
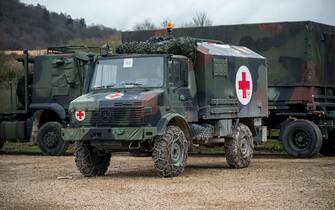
[{"x": 271, "y": 146}]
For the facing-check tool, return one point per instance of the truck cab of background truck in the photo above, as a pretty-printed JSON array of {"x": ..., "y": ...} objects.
[{"x": 162, "y": 104}]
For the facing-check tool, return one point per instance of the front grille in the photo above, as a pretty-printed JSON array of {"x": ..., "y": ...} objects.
[{"x": 113, "y": 116}]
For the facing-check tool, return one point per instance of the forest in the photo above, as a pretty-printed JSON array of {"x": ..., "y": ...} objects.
[{"x": 34, "y": 27}]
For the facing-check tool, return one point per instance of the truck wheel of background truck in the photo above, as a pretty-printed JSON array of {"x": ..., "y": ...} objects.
[
  {"x": 239, "y": 147},
  {"x": 49, "y": 139},
  {"x": 302, "y": 138},
  {"x": 170, "y": 152},
  {"x": 89, "y": 161}
]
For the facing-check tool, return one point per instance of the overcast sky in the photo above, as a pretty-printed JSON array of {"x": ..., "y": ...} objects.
[{"x": 124, "y": 14}]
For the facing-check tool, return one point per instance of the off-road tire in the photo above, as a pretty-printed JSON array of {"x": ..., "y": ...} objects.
[
  {"x": 239, "y": 147},
  {"x": 302, "y": 138},
  {"x": 89, "y": 161},
  {"x": 50, "y": 140},
  {"x": 170, "y": 152}
]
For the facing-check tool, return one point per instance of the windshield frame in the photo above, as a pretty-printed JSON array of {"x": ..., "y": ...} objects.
[{"x": 164, "y": 56}]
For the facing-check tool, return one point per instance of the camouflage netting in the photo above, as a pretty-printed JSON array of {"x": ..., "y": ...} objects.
[{"x": 160, "y": 45}]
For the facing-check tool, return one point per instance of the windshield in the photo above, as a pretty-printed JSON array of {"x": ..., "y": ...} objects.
[{"x": 128, "y": 72}]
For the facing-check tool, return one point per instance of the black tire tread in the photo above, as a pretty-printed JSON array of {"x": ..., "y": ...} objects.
[
  {"x": 306, "y": 153},
  {"x": 232, "y": 147},
  {"x": 59, "y": 150},
  {"x": 161, "y": 153},
  {"x": 89, "y": 162}
]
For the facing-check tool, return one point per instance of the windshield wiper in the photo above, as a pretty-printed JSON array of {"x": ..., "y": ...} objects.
[
  {"x": 131, "y": 83},
  {"x": 103, "y": 87},
  {"x": 134, "y": 84}
]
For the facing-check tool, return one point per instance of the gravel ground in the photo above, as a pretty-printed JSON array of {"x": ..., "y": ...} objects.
[{"x": 271, "y": 182}]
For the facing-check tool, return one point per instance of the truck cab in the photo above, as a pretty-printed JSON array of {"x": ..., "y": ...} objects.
[{"x": 36, "y": 105}]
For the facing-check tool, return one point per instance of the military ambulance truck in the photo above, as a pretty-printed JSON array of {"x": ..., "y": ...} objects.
[
  {"x": 301, "y": 57},
  {"x": 35, "y": 107},
  {"x": 165, "y": 102}
]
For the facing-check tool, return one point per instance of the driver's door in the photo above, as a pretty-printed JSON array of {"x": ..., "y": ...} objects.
[{"x": 180, "y": 99}]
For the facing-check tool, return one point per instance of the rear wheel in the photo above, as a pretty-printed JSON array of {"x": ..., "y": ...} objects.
[
  {"x": 49, "y": 139},
  {"x": 170, "y": 152},
  {"x": 89, "y": 161},
  {"x": 239, "y": 147},
  {"x": 302, "y": 138}
]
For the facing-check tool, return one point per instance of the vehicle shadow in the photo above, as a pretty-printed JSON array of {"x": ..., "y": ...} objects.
[
  {"x": 149, "y": 172},
  {"x": 29, "y": 153}
]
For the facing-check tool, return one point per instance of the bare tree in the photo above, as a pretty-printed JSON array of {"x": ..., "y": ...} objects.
[
  {"x": 147, "y": 24},
  {"x": 187, "y": 25},
  {"x": 201, "y": 19}
]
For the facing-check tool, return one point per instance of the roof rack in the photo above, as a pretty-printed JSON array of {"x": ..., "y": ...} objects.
[
  {"x": 208, "y": 40},
  {"x": 68, "y": 49}
]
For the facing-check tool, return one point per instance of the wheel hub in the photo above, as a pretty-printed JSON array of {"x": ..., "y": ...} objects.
[
  {"x": 301, "y": 139},
  {"x": 50, "y": 139},
  {"x": 176, "y": 153},
  {"x": 244, "y": 147}
]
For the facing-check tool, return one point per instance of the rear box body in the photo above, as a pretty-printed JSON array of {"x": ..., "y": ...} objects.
[
  {"x": 231, "y": 82},
  {"x": 301, "y": 58}
]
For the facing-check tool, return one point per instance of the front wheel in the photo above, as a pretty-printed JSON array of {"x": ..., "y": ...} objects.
[
  {"x": 89, "y": 161},
  {"x": 302, "y": 138},
  {"x": 49, "y": 139},
  {"x": 170, "y": 152},
  {"x": 239, "y": 147}
]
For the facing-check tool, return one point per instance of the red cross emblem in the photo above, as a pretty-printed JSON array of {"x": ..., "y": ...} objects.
[
  {"x": 114, "y": 96},
  {"x": 244, "y": 85},
  {"x": 80, "y": 115}
]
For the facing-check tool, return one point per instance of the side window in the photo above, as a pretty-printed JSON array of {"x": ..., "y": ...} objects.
[
  {"x": 178, "y": 73},
  {"x": 220, "y": 67}
]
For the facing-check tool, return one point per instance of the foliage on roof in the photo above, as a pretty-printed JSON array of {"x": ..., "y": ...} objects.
[{"x": 160, "y": 45}]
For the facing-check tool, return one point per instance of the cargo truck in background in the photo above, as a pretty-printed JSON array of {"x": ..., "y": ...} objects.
[
  {"x": 35, "y": 107},
  {"x": 301, "y": 88},
  {"x": 152, "y": 98}
]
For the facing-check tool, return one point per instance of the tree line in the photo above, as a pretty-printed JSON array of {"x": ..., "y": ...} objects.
[
  {"x": 199, "y": 19},
  {"x": 27, "y": 26}
]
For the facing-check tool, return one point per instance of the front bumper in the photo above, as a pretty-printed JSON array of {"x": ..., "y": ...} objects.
[{"x": 108, "y": 133}]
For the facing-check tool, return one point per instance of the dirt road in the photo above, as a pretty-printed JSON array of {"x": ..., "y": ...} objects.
[{"x": 271, "y": 182}]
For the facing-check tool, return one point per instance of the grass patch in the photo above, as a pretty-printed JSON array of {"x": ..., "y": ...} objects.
[
  {"x": 271, "y": 146},
  {"x": 26, "y": 148}
]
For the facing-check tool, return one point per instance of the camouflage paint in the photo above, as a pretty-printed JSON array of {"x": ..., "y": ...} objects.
[
  {"x": 57, "y": 78},
  {"x": 207, "y": 97},
  {"x": 300, "y": 55}
]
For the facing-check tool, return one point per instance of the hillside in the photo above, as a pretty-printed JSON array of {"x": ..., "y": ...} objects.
[{"x": 27, "y": 26}]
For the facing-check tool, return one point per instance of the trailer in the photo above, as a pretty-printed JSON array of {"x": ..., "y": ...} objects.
[{"x": 301, "y": 79}]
